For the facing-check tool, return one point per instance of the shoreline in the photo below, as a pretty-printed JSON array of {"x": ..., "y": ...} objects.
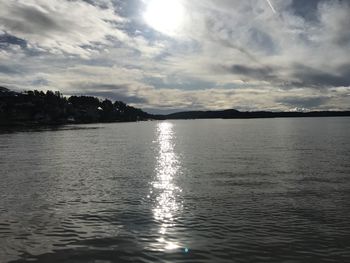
[{"x": 30, "y": 125}]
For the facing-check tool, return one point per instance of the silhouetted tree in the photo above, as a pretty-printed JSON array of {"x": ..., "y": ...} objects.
[{"x": 51, "y": 107}]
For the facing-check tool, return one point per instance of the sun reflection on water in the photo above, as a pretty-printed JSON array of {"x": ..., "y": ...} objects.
[{"x": 165, "y": 190}]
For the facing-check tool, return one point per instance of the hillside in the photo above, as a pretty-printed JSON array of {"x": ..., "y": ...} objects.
[{"x": 234, "y": 114}]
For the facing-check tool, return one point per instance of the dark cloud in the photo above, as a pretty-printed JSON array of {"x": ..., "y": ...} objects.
[
  {"x": 310, "y": 10},
  {"x": 262, "y": 41},
  {"x": 253, "y": 73},
  {"x": 99, "y": 3},
  {"x": 308, "y": 103},
  {"x": 310, "y": 77},
  {"x": 40, "y": 82},
  {"x": 125, "y": 8},
  {"x": 306, "y": 9},
  {"x": 29, "y": 20},
  {"x": 93, "y": 2},
  {"x": 302, "y": 76},
  {"x": 129, "y": 8},
  {"x": 6, "y": 40},
  {"x": 10, "y": 70}
]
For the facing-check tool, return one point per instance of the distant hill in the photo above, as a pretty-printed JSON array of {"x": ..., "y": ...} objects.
[
  {"x": 2, "y": 89},
  {"x": 37, "y": 107},
  {"x": 235, "y": 114},
  {"x": 6, "y": 92},
  {"x": 203, "y": 114}
]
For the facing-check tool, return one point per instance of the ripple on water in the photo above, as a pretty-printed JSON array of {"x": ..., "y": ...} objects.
[{"x": 202, "y": 191}]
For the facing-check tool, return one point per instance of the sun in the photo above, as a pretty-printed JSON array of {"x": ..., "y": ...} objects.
[{"x": 165, "y": 16}]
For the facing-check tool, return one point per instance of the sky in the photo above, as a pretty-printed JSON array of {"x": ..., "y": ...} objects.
[{"x": 171, "y": 55}]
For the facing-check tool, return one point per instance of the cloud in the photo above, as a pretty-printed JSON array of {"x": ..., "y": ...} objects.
[
  {"x": 4, "y": 69},
  {"x": 305, "y": 103},
  {"x": 310, "y": 77},
  {"x": 6, "y": 40},
  {"x": 59, "y": 26},
  {"x": 110, "y": 91},
  {"x": 260, "y": 73},
  {"x": 306, "y": 9},
  {"x": 229, "y": 53},
  {"x": 334, "y": 16}
]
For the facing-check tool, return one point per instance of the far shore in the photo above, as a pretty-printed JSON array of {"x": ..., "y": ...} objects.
[{"x": 36, "y": 108}]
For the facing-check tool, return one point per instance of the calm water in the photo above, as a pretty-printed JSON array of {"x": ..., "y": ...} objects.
[{"x": 274, "y": 190}]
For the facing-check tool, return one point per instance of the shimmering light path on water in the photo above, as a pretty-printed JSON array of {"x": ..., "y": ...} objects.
[
  {"x": 274, "y": 190},
  {"x": 167, "y": 194}
]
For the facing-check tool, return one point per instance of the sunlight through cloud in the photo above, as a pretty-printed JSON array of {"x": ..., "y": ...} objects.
[{"x": 165, "y": 16}]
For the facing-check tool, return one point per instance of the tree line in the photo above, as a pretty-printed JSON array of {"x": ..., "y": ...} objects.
[{"x": 38, "y": 107}]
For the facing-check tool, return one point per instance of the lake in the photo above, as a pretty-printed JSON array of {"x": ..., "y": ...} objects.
[{"x": 264, "y": 190}]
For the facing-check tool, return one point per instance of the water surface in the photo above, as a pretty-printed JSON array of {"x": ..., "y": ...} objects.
[{"x": 274, "y": 190}]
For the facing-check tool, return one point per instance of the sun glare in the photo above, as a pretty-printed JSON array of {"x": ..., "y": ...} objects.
[{"x": 165, "y": 16}]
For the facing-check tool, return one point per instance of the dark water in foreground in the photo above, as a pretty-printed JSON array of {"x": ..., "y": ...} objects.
[{"x": 274, "y": 190}]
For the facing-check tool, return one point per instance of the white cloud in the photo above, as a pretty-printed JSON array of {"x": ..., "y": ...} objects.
[
  {"x": 243, "y": 54},
  {"x": 60, "y": 26}
]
